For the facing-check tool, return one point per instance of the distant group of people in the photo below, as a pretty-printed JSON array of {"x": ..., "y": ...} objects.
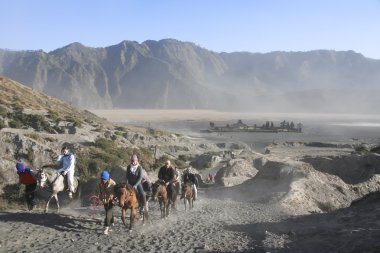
[{"x": 135, "y": 176}]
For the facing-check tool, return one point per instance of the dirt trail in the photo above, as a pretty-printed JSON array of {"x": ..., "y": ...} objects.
[{"x": 210, "y": 226}]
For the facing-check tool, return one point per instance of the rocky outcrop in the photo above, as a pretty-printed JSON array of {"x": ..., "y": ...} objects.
[{"x": 235, "y": 172}]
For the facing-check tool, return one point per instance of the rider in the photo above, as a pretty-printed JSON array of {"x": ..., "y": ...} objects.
[
  {"x": 147, "y": 187},
  {"x": 135, "y": 174},
  {"x": 167, "y": 174},
  {"x": 28, "y": 178},
  {"x": 190, "y": 178},
  {"x": 68, "y": 168},
  {"x": 177, "y": 179},
  {"x": 105, "y": 192}
]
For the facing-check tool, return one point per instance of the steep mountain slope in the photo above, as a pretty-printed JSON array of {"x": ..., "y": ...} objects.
[{"x": 169, "y": 74}]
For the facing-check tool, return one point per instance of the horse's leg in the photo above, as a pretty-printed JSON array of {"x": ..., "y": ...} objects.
[
  {"x": 132, "y": 218},
  {"x": 168, "y": 203},
  {"x": 185, "y": 202},
  {"x": 56, "y": 199},
  {"x": 123, "y": 216},
  {"x": 145, "y": 212},
  {"x": 47, "y": 203},
  {"x": 161, "y": 210}
]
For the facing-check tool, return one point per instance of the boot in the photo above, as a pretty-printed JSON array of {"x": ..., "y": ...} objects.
[{"x": 106, "y": 230}]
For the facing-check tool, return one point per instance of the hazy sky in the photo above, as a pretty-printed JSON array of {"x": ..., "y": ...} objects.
[{"x": 217, "y": 25}]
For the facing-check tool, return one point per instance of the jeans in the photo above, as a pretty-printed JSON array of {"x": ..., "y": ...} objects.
[
  {"x": 141, "y": 195},
  {"x": 109, "y": 214},
  {"x": 29, "y": 195}
]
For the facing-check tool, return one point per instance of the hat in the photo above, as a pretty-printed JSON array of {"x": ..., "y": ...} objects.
[
  {"x": 134, "y": 158},
  {"x": 20, "y": 167},
  {"x": 104, "y": 175}
]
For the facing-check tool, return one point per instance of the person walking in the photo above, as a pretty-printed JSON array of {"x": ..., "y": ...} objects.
[
  {"x": 28, "y": 178},
  {"x": 105, "y": 192}
]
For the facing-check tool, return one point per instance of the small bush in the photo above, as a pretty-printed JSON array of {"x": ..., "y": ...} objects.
[
  {"x": 362, "y": 149},
  {"x": 120, "y": 128},
  {"x": 2, "y": 124},
  {"x": 50, "y": 139},
  {"x": 15, "y": 124},
  {"x": 104, "y": 144},
  {"x": 33, "y": 136},
  {"x": 3, "y": 111},
  {"x": 326, "y": 206}
]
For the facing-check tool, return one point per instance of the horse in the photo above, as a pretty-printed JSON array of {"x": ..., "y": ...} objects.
[
  {"x": 160, "y": 194},
  {"x": 127, "y": 197},
  {"x": 188, "y": 196},
  {"x": 56, "y": 183}
]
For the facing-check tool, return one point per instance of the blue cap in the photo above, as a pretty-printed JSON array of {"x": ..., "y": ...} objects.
[
  {"x": 20, "y": 167},
  {"x": 105, "y": 175}
]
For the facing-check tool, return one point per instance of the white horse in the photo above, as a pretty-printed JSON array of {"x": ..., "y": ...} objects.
[{"x": 56, "y": 183}]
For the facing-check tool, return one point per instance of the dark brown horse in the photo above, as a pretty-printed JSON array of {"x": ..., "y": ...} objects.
[
  {"x": 160, "y": 194},
  {"x": 127, "y": 197},
  {"x": 188, "y": 196}
]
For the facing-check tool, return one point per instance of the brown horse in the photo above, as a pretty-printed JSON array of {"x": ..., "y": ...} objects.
[
  {"x": 127, "y": 197},
  {"x": 188, "y": 196},
  {"x": 160, "y": 193}
]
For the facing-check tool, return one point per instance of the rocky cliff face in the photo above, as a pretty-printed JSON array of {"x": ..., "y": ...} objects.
[{"x": 170, "y": 74}]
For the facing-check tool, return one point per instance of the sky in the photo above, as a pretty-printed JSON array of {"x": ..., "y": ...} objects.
[{"x": 257, "y": 26}]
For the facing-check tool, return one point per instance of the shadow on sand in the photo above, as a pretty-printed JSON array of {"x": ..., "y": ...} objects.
[
  {"x": 60, "y": 222},
  {"x": 352, "y": 229}
]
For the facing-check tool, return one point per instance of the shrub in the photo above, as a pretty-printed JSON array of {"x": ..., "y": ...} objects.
[
  {"x": 34, "y": 136},
  {"x": 77, "y": 122},
  {"x": 15, "y": 124},
  {"x": 3, "y": 111},
  {"x": 104, "y": 143},
  {"x": 50, "y": 139},
  {"x": 120, "y": 128},
  {"x": 326, "y": 206},
  {"x": 362, "y": 149},
  {"x": 2, "y": 124},
  {"x": 54, "y": 116}
]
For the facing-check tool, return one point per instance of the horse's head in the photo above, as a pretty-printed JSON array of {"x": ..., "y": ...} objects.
[
  {"x": 123, "y": 193},
  {"x": 158, "y": 189},
  {"x": 41, "y": 178}
]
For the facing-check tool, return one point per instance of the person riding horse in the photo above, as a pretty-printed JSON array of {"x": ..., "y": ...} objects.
[
  {"x": 167, "y": 174},
  {"x": 134, "y": 176},
  {"x": 68, "y": 168},
  {"x": 190, "y": 178}
]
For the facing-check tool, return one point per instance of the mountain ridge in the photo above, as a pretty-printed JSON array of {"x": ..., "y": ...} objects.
[{"x": 170, "y": 74}]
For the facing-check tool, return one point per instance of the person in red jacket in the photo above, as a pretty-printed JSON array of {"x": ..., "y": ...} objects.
[{"x": 28, "y": 178}]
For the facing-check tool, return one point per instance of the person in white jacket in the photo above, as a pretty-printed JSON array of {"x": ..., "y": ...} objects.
[{"x": 68, "y": 168}]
